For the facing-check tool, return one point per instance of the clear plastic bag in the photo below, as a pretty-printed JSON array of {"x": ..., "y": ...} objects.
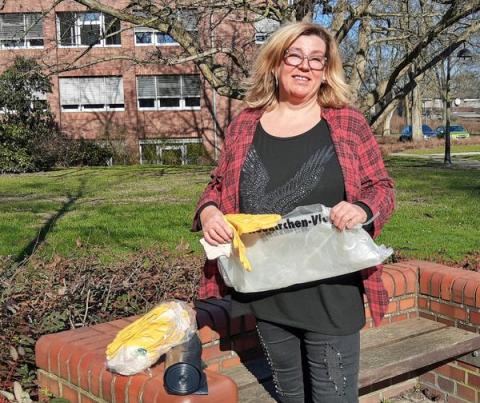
[
  {"x": 303, "y": 247},
  {"x": 139, "y": 345}
]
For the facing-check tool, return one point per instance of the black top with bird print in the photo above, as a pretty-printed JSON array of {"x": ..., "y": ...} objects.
[{"x": 279, "y": 174}]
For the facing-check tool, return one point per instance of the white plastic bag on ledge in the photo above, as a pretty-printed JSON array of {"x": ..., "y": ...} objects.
[
  {"x": 139, "y": 345},
  {"x": 303, "y": 247}
]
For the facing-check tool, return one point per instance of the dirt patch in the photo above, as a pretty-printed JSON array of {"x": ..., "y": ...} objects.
[
  {"x": 471, "y": 261},
  {"x": 390, "y": 144}
]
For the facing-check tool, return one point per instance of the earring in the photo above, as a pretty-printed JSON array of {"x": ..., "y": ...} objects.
[{"x": 275, "y": 79}]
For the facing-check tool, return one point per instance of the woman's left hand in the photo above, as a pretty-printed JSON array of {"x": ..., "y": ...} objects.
[{"x": 347, "y": 215}]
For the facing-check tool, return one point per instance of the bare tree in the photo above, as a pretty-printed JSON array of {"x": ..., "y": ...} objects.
[{"x": 388, "y": 46}]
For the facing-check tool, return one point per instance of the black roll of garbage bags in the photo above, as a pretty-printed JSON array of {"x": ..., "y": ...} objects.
[{"x": 183, "y": 369}]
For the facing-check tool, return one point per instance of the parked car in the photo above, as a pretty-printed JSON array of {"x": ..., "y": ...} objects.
[
  {"x": 426, "y": 130},
  {"x": 456, "y": 132}
]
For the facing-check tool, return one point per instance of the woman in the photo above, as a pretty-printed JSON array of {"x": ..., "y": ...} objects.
[{"x": 300, "y": 144}]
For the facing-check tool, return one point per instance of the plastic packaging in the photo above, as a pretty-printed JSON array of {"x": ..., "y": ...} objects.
[
  {"x": 246, "y": 224},
  {"x": 139, "y": 345},
  {"x": 304, "y": 246}
]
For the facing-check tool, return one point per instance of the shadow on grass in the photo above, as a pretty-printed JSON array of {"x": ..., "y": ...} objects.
[
  {"x": 409, "y": 162},
  {"x": 35, "y": 243},
  {"x": 429, "y": 172},
  {"x": 64, "y": 173},
  {"x": 162, "y": 170}
]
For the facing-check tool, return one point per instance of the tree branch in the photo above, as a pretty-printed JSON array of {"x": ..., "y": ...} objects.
[
  {"x": 389, "y": 39},
  {"x": 400, "y": 15},
  {"x": 166, "y": 61},
  {"x": 455, "y": 13},
  {"x": 348, "y": 23},
  {"x": 391, "y": 94},
  {"x": 165, "y": 22}
]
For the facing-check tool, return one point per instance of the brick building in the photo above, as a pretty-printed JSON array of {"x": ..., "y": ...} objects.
[{"x": 153, "y": 111}]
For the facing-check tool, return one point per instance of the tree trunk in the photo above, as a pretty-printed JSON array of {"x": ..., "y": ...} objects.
[
  {"x": 386, "y": 124},
  {"x": 339, "y": 16},
  {"x": 408, "y": 116},
  {"x": 360, "y": 63},
  {"x": 417, "y": 134},
  {"x": 385, "y": 115}
]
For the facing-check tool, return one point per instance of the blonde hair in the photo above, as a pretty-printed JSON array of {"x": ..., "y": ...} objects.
[{"x": 261, "y": 89}]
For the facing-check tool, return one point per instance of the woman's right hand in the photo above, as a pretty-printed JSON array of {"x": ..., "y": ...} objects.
[{"x": 215, "y": 229}]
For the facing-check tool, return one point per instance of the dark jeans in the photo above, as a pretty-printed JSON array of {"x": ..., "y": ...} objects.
[{"x": 311, "y": 367}]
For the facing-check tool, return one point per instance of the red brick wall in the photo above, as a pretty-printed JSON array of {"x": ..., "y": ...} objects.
[
  {"x": 416, "y": 288},
  {"x": 444, "y": 294},
  {"x": 79, "y": 372},
  {"x": 451, "y": 296},
  {"x": 400, "y": 280},
  {"x": 131, "y": 124}
]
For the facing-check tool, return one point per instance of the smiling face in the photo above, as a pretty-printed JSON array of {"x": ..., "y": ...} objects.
[{"x": 298, "y": 84}]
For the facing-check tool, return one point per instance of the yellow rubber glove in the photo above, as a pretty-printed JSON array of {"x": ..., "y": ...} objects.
[
  {"x": 160, "y": 328},
  {"x": 245, "y": 224}
]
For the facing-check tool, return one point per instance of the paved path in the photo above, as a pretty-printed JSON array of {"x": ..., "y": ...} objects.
[
  {"x": 457, "y": 162},
  {"x": 402, "y": 154}
]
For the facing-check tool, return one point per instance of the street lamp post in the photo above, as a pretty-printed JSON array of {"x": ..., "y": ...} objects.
[
  {"x": 447, "y": 159},
  {"x": 462, "y": 54}
]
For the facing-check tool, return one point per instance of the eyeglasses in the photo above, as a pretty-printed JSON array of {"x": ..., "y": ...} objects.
[{"x": 295, "y": 58}]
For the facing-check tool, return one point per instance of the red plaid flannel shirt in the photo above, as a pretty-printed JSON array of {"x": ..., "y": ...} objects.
[{"x": 366, "y": 180}]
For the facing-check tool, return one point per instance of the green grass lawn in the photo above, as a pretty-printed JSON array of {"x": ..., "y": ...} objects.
[
  {"x": 438, "y": 211},
  {"x": 455, "y": 148},
  {"x": 470, "y": 157},
  {"x": 108, "y": 211},
  {"x": 116, "y": 211}
]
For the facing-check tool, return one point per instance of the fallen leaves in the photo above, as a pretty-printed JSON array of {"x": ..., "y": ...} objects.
[{"x": 47, "y": 296}]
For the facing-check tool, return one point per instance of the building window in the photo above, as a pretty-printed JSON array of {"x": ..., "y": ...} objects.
[
  {"x": 264, "y": 28},
  {"x": 260, "y": 37},
  {"x": 84, "y": 94},
  {"x": 168, "y": 92},
  {"x": 149, "y": 36},
  {"x": 88, "y": 29},
  {"x": 19, "y": 30},
  {"x": 39, "y": 101},
  {"x": 173, "y": 151}
]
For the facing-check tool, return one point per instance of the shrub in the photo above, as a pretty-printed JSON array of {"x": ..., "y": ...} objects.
[
  {"x": 85, "y": 152},
  {"x": 121, "y": 153},
  {"x": 197, "y": 154},
  {"x": 150, "y": 154},
  {"x": 29, "y": 137},
  {"x": 172, "y": 157},
  {"x": 14, "y": 154},
  {"x": 27, "y": 127}
]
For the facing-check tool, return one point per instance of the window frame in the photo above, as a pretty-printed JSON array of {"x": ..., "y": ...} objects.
[
  {"x": 80, "y": 107},
  {"x": 154, "y": 33},
  {"x": 77, "y": 25},
  {"x": 263, "y": 34},
  {"x": 24, "y": 39},
  {"x": 185, "y": 14},
  {"x": 37, "y": 97},
  {"x": 264, "y": 28},
  {"x": 182, "y": 104},
  {"x": 165, "y": 145}
]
